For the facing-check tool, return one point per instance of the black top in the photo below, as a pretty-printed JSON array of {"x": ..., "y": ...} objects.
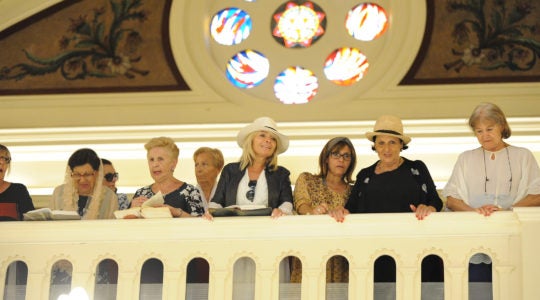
[
  {"x": 393, "y": 191},
  {"x": 18, "y": 194}
]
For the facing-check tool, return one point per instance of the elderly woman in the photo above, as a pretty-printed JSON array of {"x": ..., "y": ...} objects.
[
  {"x": 392, "y": 184},
  {"x": 316, "y": 194},
  {"x": 496, "y": 176},
  {"x": 208, "y": 165},
  {"x": 83, "y": 189},
  {"x": 183, "y": 199},
  {"x": 14, "y": 197},
  {"x": 257, "y": 179}
]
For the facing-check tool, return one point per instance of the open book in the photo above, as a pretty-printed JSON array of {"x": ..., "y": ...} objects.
[
  {"x": 150, "y": 209},
  {"x": 44, "y": 214},
  {"x": 242, "y": 210}
]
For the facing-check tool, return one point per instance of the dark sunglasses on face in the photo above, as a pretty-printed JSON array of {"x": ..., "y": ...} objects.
[{"x": 110, "y": 177}]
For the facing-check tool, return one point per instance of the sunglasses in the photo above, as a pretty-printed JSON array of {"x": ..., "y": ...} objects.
[
  {"x": 250, "y": 194},
  {"x": 110, "y": 177}
]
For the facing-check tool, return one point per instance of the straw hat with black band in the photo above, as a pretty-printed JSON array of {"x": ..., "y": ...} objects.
[{"x": 390, "y": 126}]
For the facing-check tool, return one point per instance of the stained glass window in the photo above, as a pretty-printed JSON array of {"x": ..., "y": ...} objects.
[
  {"x": 230, "y": 26},
  {"x": 366, "y": 21},
  {"x": 296, "y": 85},
  {"x": 247, "y": 69},
  {"x": 298, "y": 25},
  {"x": 345, "y": 66}
]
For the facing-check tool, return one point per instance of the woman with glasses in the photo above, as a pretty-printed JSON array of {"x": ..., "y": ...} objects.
[
  {"x": 496, "y": 176},
  {"x": 257, "y": 179},
  {"x": 316, "y": 194},
  {"x": 183, "y": 199},
  {"x": 14, "y": 197},
  {"x": 110, "y": 178},
  {"x": 83, "y": 189},
  {"x": 393, "y": 184}
]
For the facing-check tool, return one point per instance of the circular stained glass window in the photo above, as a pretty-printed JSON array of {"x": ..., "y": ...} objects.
[
  {"x": 230, "y": 26},
  {"x": 366, "y": 21},
  {"x": 345, "y": 66},
  {"x": 247, "y": 69},
  {"x": 296, "y": 85},
  {"x": 298, "y": 25}
]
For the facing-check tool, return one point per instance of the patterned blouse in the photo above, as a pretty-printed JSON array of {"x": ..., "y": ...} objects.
[
  {"x": 310, "y": 189},
  {"x": 186, "y": 197}
]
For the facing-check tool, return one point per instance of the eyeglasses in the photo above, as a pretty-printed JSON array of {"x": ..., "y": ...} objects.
[
  {"x": 78, "y": 176},
  {"x": 5, "y": 159},
  {"x": 110, "y": 177},
  {"x": 250, "y": 194},
  {"x": 337, "y": 155}
]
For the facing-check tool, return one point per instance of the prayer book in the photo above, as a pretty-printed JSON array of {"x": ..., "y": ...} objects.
[
  {"x": 242, "y": 210},
  {"x": 151, "y": 209},
  {"x": 45, "y": 214}
]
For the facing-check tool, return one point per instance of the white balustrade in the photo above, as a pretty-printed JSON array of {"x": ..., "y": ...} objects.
[{"x": 509, "y": 238}]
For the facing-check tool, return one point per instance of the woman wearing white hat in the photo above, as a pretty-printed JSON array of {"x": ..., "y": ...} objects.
[
  {"x": 257, "y": 179},
  {"x": 392, "y": 184}
]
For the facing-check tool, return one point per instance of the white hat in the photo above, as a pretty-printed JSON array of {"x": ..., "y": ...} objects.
[
  {"x": 388, "y": 125},
  {"x": 264, "y": 124}
]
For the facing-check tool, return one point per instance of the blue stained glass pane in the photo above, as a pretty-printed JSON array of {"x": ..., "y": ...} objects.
[
  {"x": 230, "y": 26},
  {"x": 247, "y": 69}
]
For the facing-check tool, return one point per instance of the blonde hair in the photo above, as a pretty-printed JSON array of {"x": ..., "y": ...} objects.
[
  {"x": 248, "y": 155},
  {"x": 164, "y": 142},
  {"x": 217, "y": 156},
  {"x": 490, "y": 111}
]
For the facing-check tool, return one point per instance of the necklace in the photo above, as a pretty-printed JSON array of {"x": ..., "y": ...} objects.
[
  {"x": 485, "y": 169},
  {"x": 391, "y": 168}
]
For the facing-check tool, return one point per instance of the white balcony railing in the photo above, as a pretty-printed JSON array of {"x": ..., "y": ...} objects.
[{"x": 509, "y": 238}]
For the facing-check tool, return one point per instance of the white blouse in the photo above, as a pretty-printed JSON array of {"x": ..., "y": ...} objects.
[{"x": 501, "y": 178}]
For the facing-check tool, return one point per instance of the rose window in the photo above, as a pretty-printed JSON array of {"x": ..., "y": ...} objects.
[{"x": 297, "y": 26}]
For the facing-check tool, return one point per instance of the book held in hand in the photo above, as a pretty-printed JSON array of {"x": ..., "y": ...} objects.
[
  {"x": 45, "y": 214},
  {"x": 242, "y": 210},
  {"x": 150, "y": 209}
]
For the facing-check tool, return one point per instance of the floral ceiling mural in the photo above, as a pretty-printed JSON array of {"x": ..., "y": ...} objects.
[
  {"x": 474, "y": 41},
  {"x": 87, "y": 46}
]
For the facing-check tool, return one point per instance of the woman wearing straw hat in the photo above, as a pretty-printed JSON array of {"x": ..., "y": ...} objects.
[
  {"x": 392, "y": 184},
  {"x": 257, "y": 179}
]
